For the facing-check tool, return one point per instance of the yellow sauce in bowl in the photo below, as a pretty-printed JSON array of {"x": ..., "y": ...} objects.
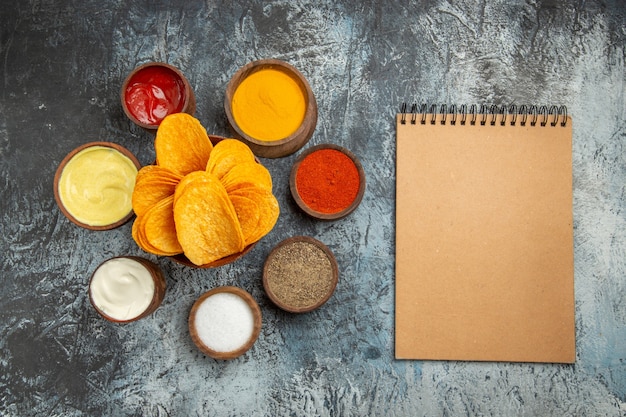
[{"x": 96, "y": 186}]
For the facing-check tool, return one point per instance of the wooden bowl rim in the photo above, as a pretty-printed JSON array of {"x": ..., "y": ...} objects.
[
  {"x": 61, "y": 167},
  {"x": 333, "y": 263},
  {"x": 189, "y": 105},
  {"x": 316, "y": 214},
  {"x": 256, "y": 313},
  {"x": 159, "y": 288},
  {"x": 297, "y": 139}
]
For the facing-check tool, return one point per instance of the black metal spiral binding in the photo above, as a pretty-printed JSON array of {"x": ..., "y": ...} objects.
[{"x": 493, "y": 114}]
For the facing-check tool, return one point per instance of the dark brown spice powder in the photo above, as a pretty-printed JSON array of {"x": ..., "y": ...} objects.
[{"x": 299, "y": 274}]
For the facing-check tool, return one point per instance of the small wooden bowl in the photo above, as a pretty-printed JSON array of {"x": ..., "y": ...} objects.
[
  {"x": 257, "y": 320},
  {"x": 318, "y": 214},
  {"x": 59, "y": 171},
  {"x": 280, "y": 261},
  {"x": 157, "y": 298},
  {"x": 183, "y": 260},
  {"x": 289, "y": 144},
  {"x": 189, "y": 99}
]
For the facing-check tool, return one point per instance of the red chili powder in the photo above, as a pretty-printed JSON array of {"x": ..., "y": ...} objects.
[{"x": 327, "y": 181}]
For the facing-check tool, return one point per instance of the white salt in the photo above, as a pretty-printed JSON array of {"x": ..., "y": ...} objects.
[{"x": 224, "y": 322}]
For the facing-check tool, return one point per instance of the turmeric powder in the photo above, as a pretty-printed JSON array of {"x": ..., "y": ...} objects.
[{"x": 268, "y": 105}]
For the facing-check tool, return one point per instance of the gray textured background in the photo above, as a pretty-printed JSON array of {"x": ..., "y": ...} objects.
[{"x": 62, "y": 64}]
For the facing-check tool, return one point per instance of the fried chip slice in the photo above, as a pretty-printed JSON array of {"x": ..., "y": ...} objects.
[
  {"x": 247, "y": 174},
  {"x": 153, "y": 184},
  {"x": 196, "y": 176},
  {"x": 182, "y": 144},
  {"x": 138, "y": 232},
  {"x": 257, "y": 210},
  {"x": 226, "y": 154},
  {"x": 159, "y": 229},
  {"x": 206, "y": 222},
  {"x": 138, "y": 235},
  {"x": 249, "y": 215}
]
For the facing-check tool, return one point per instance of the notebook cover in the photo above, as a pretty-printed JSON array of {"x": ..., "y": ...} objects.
[{"x": 484, "y": 242}]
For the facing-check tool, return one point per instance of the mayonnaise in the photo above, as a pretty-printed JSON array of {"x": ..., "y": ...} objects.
[
  {"x": 96, "y": 185},
  {"x": 122, "y": 288}
]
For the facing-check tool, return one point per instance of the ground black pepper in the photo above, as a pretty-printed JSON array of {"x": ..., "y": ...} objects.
[{"x": 299, "y": 274}]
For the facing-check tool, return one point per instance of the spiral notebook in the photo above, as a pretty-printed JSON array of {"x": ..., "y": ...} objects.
[{"x": 484, "y": 235}]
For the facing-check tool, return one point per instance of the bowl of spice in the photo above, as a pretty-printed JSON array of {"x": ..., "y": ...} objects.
[
  {"x": 225, "y": 322},
  {"x": 327, "y": 182},
  {"x": 154, "y": 90},
  {"x": 94, "y": 183},
  {"x": 300, "y": 274},
  {"x": 126, "y": 288},
  {"x": 270, "y": 106}
]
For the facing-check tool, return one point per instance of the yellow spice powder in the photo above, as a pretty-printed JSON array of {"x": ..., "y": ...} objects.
[{"x": 268, "y": 105}]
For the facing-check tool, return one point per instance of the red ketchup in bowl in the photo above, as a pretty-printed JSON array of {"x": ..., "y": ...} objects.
[{"x": 154, "y": 92}]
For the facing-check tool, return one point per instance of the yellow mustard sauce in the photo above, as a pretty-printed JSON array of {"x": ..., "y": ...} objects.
[{"x": 96, "y": 186}]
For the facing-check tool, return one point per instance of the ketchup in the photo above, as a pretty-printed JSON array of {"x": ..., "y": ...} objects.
[{"x": 153, "y": 93}]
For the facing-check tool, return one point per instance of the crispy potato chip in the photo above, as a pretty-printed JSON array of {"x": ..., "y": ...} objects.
[
  {"x": 160, "y": 172},
  {"x": 153, "y": 184},
  {"x": 267, "y": 211},
  {"x": 159, "y": 228},
  {"x": 247, "y": 174},
  {"x": 249, "y": 215},
  {"x": 182, "y": 144},
  {"x": 138, "y": 236},
  {"x": 227, "y": 154},
  {"x": 196, "y": 176},
  {"x": 206, "y": 221}
]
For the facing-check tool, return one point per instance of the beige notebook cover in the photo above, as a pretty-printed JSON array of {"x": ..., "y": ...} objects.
[{"x": 484, "y": 241}]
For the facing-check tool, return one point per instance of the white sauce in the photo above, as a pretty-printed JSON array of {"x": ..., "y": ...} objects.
[
  {"x": 122, "y": 288},
  {"x": 224, "y": 322}
]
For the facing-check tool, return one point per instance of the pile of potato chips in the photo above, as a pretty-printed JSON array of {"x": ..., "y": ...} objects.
[{"x": 201, "y": 200}]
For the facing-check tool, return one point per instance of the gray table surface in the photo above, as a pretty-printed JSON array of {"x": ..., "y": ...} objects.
[{"x": 62, "y": 65}]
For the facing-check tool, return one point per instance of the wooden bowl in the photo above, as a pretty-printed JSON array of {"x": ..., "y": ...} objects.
[
  {"x": 313, "y": 212},
  {"x": 59, "y": 172},
  {"x": 196, "y": 314},
  {"x": 157, "y": 298},
  {"x": 294, "y": 141},
  {"x": 181, "y": 98},
  {"x": 292, "y": 267}
]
